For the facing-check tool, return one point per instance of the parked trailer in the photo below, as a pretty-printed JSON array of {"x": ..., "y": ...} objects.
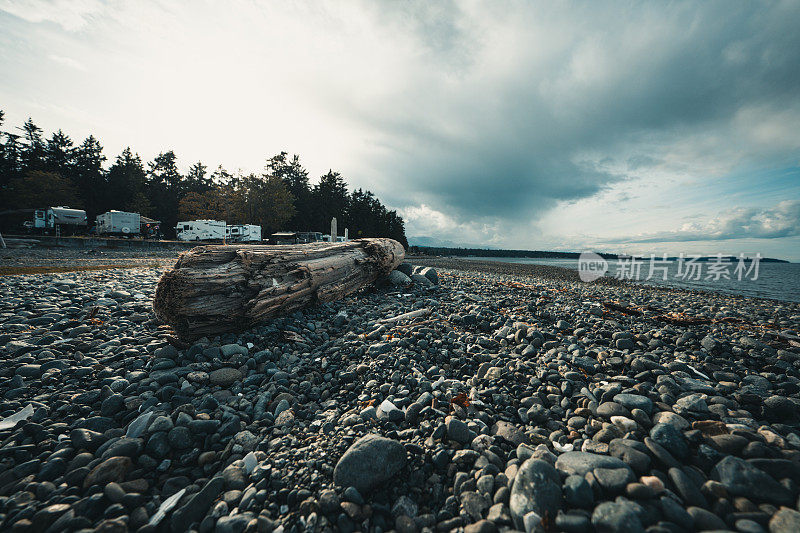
[
  {"x": 306, "y": 237},
  {"x": 243, "y": 233},
  {"x": 58, "y": 218},
  {"x": 251, "y": 233},
  {"x": 339, "y": 238},
  {"x": 118, "y": 223},
  {"x": 201, "y": 230}
]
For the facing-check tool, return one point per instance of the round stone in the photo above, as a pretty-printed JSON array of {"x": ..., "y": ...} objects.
[
  {"x": 370, "y": 461},
  {"x": 671, "y": 440},
  {"x": 617, "y": 517},
  {"x": 537, "y": 489}
]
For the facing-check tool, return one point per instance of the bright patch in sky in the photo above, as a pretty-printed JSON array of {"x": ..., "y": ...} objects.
[{"x": 664, "y": 127}]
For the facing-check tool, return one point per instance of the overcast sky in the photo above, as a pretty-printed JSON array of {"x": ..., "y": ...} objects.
[{"x": 661, "y": 126}]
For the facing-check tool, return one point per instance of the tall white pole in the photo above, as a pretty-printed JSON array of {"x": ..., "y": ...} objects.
[
  {"x": 2, "y": 242},
  {"x": 333, "y": 229}
]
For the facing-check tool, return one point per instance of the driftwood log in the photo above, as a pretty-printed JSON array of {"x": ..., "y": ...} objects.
[{"x": 221, "y": 289}]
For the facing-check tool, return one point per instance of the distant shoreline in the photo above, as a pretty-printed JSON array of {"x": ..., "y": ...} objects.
[
  {"x": 546, "y": 254},
  {"x": 560, "y": 273}
]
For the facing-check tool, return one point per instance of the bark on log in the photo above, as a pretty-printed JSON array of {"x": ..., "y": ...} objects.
[{"x": 221, "y": 289}]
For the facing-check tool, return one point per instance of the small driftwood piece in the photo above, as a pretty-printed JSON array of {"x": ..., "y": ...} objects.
[
  {"x": 221, "y": 289},
  {"x": 622, "y": 309},
  {"x": 406, "y": 316}
]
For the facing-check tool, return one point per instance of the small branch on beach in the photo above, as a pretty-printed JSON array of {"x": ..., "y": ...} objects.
[
  {"x": 413, "y": 324},
  {"x": 677, "y": 319},
  {"x": 622, "y": 309},
  {"x": 406, "y": 316}
]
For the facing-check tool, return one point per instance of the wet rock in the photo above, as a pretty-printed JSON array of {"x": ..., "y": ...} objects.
[
  {"x": 666, "y": 417},
  {"x": 86, "y": 439},
  {"x": 613, "y": 480},
  {"x": 509, "y": 432},
  {"x": 705, "y": 520},
  {"x": 197, "y": 506},
  {"x": 785, "y": 521},
  {"x": 616, "y": 517},
  {"x": 180, "y": 438},
  {"x": 329, "y": 501},
  {"x": 671, "y": 440},
  {"x": 234, "y": 477},
  {"x": 125, "y": 446},
  {"x": 474, "y": 504},
  {"x": 742, "y": 479},
  {"x": 481, "y": 526},
  {"x": 537, "y": 488},
  {"x": 229, "y": 350},
  {"x": 232, "y": 524},
  {"x": 577, "y": 492},
  {"x": 369, "y": 462},
  {"x": 112, "y": 469},
  {"x": 676, "y": 513},
  {"x": 46, "y": 517},
  {"x": 224, "y": 377},
  {"x": 399, "y": 279},
  {"x": 581, "y": 463},
  {"x": 609, "y": 409},
  {"x": 573, "y": 522},
  {"x": 458, "y": 431},
  {"x": 635, "y": 401},
  {"x": 780, "y": 407},
  {"x": 633, "y": 453},
  {"x": 686, "y": 488}
]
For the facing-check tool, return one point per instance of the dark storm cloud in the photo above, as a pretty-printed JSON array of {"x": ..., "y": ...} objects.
[{"x": 518, "y": 106}]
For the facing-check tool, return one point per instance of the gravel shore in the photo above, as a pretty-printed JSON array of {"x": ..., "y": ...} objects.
[
  {"x": 509, "y": 400},
  {"x": 22, "y": 261}
]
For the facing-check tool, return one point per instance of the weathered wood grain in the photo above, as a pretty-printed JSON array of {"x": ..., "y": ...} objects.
[{"x": 219, "y": 289}]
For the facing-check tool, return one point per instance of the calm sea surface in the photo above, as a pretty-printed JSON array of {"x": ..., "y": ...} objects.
[{"x": 779, "y": 281}]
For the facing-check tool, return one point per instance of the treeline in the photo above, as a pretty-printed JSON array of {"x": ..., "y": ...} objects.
[{"x": 38, "y": 172}]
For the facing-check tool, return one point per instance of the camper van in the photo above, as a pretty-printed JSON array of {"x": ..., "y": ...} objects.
[
  {"x": 201, "y": 230},
  {"x": 243, "y": 233},
  {"x": 118, "y": 223}
]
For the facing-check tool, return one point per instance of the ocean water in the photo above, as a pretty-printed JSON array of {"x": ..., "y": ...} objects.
[{"x": 778, "y": 281}]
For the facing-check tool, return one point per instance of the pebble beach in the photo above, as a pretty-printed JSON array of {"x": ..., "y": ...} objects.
[{"x": 454, "y": 396}]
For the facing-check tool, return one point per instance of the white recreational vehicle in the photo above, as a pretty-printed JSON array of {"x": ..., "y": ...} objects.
[
  {"x": 339, "y": 238},
  {"x": 201, "y": 230},
  {"x": 307, "y": 237},
  {"x": 243, "y": 233},
  {"x": 118, "y": 223},
  {"x": 56, "y": 218}
]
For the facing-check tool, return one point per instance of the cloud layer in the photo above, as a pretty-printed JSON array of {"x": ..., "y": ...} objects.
[
  {"x": 554, "y": 104},
  {"x": 777, "y": 222},
  {"x": 513, "y": 124}
]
